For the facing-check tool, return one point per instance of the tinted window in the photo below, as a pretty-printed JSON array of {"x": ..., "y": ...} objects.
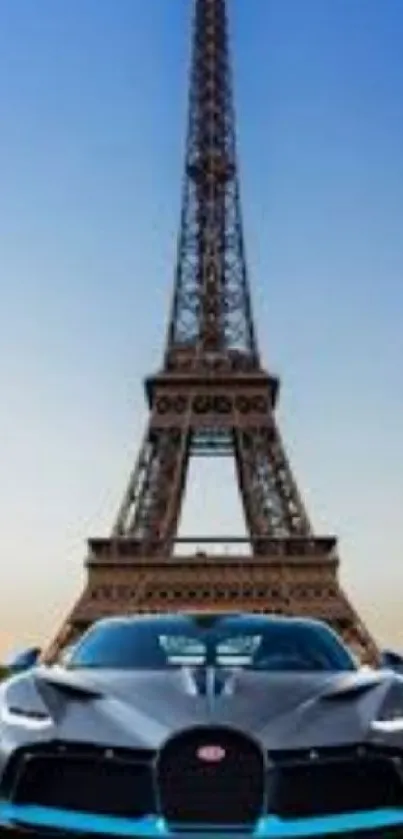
[{"x": 257, "y": 643}]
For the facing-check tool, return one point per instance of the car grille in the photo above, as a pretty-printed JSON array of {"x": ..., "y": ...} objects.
[
  {"x": 202, "y": 790},
  {"x": 89, "y": 783},
  {"x": 333, "y": 786},
  {"x": 191, "y": 792}
]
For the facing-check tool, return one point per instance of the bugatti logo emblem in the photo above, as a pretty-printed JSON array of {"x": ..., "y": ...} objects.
[{"x": 211, "y": 754}]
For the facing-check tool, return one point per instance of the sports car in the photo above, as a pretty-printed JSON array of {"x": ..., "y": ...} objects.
[{"x": 184, "y": 725}]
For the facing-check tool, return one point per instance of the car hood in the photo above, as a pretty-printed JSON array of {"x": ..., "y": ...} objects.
[{"x": 142, "y": 709}]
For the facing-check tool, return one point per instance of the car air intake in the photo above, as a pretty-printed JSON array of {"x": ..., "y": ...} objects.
[
  {"x": 211, "y": 776},
  {"x": 334, "y": 786},
  {"x": 86, "y": 784}
]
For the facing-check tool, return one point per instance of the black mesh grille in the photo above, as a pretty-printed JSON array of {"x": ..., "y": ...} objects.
[
  {"x": 196, "y": 790},
  {"x": 102, "y": 786},
  {"x": 333, "y": 787}
]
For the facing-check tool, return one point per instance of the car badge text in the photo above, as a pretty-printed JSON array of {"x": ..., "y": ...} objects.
[{"x": 211, "y": 754}]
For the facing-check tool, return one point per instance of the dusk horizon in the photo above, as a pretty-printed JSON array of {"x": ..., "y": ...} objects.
[{"x": 94, "y": 116}]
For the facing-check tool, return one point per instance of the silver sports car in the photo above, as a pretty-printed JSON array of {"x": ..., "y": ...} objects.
[{"x": 221, "y": 725}]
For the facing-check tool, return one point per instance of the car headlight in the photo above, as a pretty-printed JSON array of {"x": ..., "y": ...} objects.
[
  {"x": 391, "y": 723},
  {"x": 34, "y": 720}
]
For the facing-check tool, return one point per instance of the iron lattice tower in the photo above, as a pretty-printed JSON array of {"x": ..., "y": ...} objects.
[{"x": 212, "y": 396}]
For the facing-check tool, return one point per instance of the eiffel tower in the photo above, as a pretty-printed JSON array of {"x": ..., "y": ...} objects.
[{"x": 213, "y": 397}]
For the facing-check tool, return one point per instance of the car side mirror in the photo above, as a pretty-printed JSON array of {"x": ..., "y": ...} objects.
[
  {"x": 392, "y": 661},
  {"x": 23, "y": 660}
]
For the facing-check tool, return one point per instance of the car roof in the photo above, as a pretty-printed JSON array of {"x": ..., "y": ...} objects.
[{"x": 208, "y": 616}]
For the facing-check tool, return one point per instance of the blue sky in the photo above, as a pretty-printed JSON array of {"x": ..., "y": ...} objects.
[{"x": 93, "y": 97}]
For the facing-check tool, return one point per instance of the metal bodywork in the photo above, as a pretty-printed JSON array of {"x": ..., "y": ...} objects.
[{"x": 330, "y": 747}]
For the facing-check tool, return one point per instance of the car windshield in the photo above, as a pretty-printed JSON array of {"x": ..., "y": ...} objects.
[{"x": 253, "y": 642}]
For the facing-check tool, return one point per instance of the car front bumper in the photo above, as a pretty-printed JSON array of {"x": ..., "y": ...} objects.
[{"x": 44, "y": 821}]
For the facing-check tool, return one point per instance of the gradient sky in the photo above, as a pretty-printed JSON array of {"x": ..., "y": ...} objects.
[{"x": 93, "y": 97}]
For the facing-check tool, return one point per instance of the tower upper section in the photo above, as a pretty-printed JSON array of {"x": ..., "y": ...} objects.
[{"x": 211, "y": 320}]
